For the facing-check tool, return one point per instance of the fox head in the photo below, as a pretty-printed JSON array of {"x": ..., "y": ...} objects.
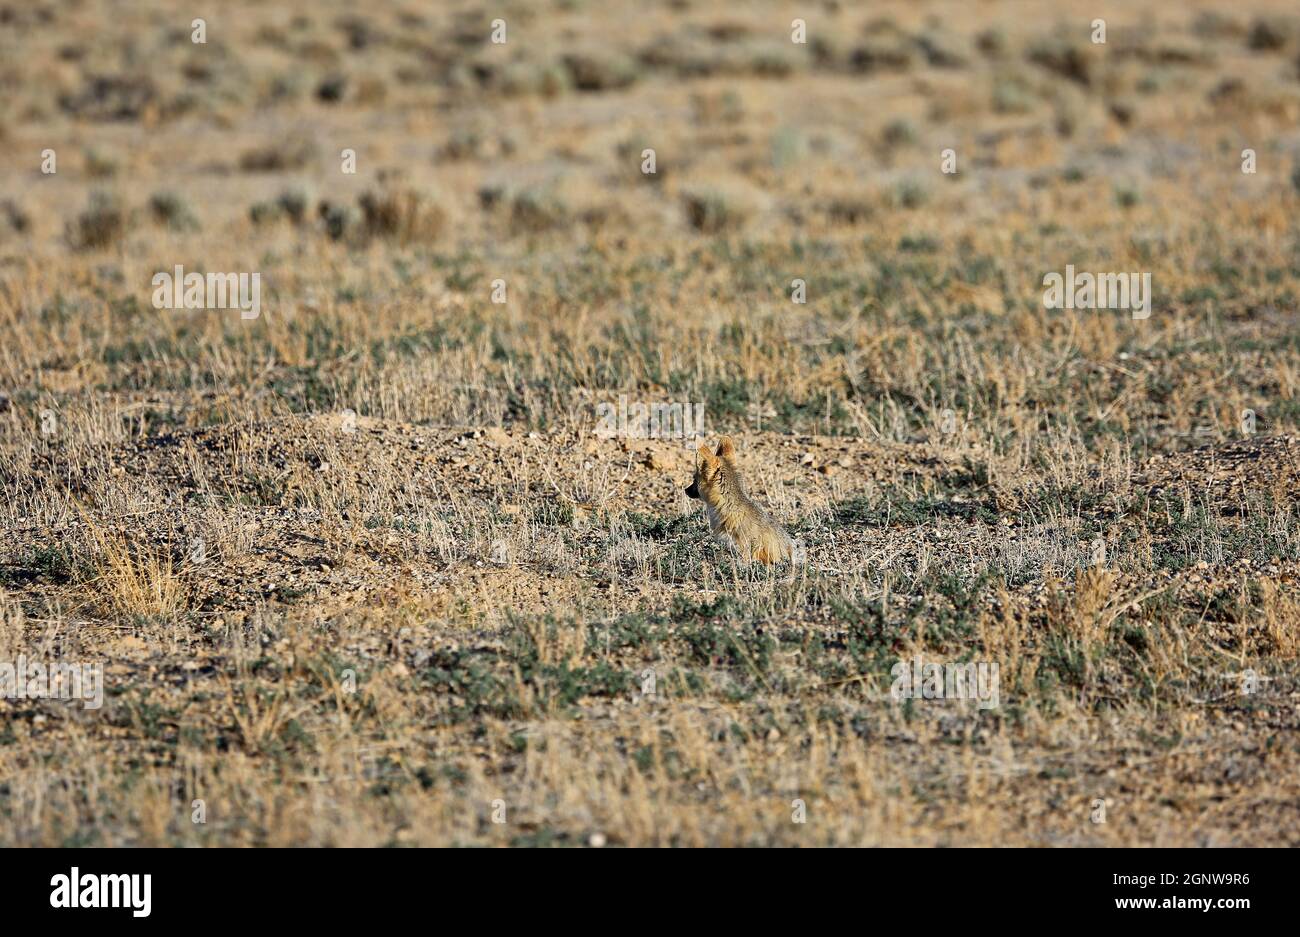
[{"x": 715, "y": 474}]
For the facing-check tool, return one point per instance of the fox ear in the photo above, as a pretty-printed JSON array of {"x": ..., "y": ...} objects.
[
  {"x": 707, "y": 458},
  {"x": 726, "y": 448}
]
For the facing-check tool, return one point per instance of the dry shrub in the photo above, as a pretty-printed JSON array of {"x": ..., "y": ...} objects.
[
  {"x": 132, "y": 581},
  {"x": 538, "y": 208},
  {"x": 593, "y": 70},
  {"x": 1008, "y": 641},
  {"x": 112, "y": 97},
  {"x": 101, "y": 225},
  {"x": 15, "y": 218},
  {"x": 1281, "y": 610},
  {"x": 402, "y": 215},
  {"x": 173, "y": 210},
  {"x": 716, "y": 209},
  {"x": 12, "y": 622},
  {"x": 295, "y": 152}
]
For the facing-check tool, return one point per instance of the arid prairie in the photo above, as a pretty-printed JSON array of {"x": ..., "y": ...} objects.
[{"x": 373, "y": 546}]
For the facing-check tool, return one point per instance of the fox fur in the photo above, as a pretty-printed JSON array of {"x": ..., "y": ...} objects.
[{"x": 736, "y": 522}]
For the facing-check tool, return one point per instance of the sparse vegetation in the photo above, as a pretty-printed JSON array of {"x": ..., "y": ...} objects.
[
  {"x": 101, "y": 225},
  {"x": 366, "y": 550}
]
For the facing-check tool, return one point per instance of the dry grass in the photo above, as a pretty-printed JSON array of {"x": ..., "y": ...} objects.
[
  {"x": 429, "y": 597},
  {"x": 130, "y": 583}
]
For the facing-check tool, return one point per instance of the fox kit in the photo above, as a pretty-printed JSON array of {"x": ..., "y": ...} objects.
[{"x": 735, "y": 520}]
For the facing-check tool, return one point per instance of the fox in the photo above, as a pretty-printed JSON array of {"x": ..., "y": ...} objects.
[{"x": 736, "y": 522}]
